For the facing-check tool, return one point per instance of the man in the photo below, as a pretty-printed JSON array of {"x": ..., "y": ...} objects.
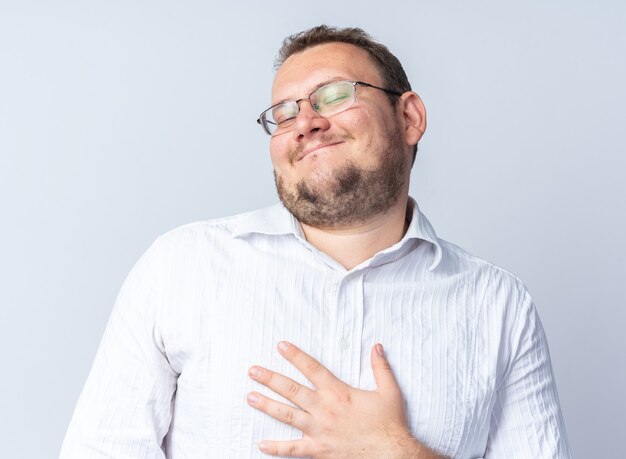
[{"x": 362, "y": 333}]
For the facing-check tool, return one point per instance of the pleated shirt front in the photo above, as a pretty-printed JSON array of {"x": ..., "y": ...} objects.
[{"x": 212, "y": 298}]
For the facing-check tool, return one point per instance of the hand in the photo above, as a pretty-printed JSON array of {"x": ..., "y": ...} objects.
[{"x": 337, "y": 420}]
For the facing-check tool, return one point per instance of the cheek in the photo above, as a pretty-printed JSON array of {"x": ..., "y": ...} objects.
[
  {"x": 278, "y": 153},
  {"x": 362, "y": 122},
  {"x": 360, "y": 126}
]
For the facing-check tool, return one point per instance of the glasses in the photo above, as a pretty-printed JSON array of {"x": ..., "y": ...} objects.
[{"x": 327, "y": 100}]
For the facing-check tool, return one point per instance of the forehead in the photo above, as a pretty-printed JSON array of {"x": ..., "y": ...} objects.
[{"x": 303, "y": 72}]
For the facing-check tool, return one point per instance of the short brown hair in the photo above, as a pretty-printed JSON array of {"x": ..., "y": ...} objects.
[{"x": 390, "y": 68}]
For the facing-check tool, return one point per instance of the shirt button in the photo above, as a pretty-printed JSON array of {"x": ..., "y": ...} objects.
[{"x": 345, "y": 344}]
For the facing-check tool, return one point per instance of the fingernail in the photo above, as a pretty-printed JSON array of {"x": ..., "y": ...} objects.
[
  {"x": 263, "y": 446},
  {"x": 379, "y": 350},
  {"x": 253, "y": 398},
  {"x": 254, "y": 372},
  {"x": 283, "y": 346}
]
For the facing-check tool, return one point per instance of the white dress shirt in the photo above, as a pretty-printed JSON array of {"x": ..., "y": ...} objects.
[{"x": 210, "y": 299}]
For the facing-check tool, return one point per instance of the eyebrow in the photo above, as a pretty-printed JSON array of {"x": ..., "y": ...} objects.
[{"x": 315, "y": 88}]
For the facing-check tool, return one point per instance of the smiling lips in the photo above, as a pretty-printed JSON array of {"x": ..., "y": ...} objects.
[{"x": 307, "y": 151}]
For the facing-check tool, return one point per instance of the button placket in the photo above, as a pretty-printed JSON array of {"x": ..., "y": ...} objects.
[{"x": 357, "y": 335}]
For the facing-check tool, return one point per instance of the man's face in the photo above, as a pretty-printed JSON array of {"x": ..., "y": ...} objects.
[{"x": 342, "y": 170}]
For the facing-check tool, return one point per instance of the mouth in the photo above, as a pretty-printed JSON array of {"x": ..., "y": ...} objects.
[{"x": 308, "y": 151}]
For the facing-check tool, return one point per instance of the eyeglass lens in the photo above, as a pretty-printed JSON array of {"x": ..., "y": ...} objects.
[{"x": 327, "y": 100}]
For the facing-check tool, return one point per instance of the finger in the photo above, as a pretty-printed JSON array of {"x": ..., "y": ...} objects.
[
  {"x": 383, "y": 375},
  {"x": 294, "y": 448},
  {"x": 282, "y": 412},
  {"x": 282, "y": 385},
  {"x": 314, "y": 371}
]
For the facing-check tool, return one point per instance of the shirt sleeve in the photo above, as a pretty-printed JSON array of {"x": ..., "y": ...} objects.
[
  {"x": 526, "y": 420},
  {"x": 124, "y": 410}
]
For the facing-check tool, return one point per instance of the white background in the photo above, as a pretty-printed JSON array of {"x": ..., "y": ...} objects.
[{"x": 120, "y": 120}]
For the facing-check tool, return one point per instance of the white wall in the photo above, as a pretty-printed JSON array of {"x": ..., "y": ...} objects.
[{"x": 122, "y": 119}]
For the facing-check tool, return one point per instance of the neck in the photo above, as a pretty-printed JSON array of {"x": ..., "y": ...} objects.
[{"x": 352, "y": 245}]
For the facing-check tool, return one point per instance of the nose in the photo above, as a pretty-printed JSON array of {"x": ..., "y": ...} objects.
[{"x": 309, "y": 121}]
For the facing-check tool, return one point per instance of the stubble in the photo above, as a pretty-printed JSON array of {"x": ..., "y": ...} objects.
[{"x": 351, "y": 195}]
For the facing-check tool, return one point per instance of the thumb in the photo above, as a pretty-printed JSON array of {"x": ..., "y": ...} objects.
[{"x": 383, "y": 375}]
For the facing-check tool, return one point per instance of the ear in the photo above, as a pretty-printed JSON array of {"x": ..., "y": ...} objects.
[{"x": 414, "y": 117}]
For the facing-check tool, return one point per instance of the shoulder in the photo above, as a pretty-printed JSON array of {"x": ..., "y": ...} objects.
[
  {"x": 203, "y": 230},
  {"x": 456, "y": 260},
  {"x": 191, "y": 245},
  {"x": 497, "y": 290}
]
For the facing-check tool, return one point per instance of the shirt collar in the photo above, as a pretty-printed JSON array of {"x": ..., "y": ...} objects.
[
  {"x": 276, "y": 220},
  {"x": 420, "y": 228}
]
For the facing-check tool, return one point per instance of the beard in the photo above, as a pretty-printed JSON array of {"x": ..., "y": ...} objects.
[{"x": 351, "y": 195}]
